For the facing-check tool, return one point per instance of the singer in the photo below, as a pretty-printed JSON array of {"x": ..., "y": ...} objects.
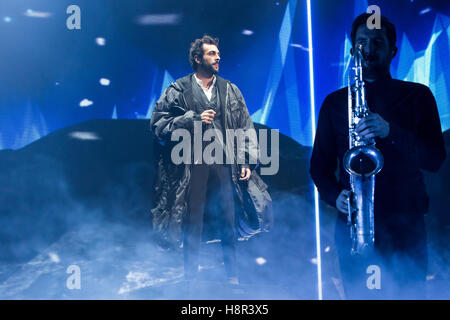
[{"x": 182, "y": 190}]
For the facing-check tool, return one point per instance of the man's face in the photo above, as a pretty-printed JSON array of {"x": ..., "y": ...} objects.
[
  {"x": 211, "y": 58},
  {"x": 377, "y": 54}
]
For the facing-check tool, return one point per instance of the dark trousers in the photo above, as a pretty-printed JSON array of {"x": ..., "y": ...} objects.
[
  {"x": 204, "y": 177},
  {"x": 400, "y": 253}
]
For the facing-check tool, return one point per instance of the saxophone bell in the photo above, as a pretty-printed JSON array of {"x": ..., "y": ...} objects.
[{"x": 363, "y": 161}]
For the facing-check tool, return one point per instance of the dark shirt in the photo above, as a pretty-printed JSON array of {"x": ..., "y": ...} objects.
[
  {"x": 414, "y": 143},
  {"x": 202, "y": 103}
]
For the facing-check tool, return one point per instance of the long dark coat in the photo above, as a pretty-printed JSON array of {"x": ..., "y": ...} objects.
[{"x": 176, "y": 109}]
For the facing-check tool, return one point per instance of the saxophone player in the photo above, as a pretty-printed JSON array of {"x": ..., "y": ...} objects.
[{"x": 405, "y": 124}]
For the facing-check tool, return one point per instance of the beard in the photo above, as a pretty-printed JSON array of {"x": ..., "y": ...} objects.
[
  {"x": 209, "y": 67},
  {"x": 375, "y": 68}
]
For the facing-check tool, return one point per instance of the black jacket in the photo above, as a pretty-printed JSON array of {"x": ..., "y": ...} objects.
[
  {"x": 414, "y": 143},
  {"x": 175, "y": 109}
]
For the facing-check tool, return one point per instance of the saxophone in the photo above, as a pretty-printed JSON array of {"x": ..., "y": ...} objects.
[{"x": 362, "y": 162}]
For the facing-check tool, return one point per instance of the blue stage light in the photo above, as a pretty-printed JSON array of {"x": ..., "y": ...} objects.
[
  {"x": 84, "y": 135},
  {"x": 159, "y": 19},
  {"x": 424, "y": 11},
  {"x": 105, "y": 82},
  {"x": 100, "y": 41},
  {"x": 313, "y": 133},
  {"x": 37, "y": 14},
  {"x": 86, "y": 103}
]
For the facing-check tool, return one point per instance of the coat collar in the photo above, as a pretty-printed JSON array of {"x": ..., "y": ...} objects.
[{"x": 186, "y": 86}]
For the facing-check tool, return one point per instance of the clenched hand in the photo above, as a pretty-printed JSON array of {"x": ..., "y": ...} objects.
[
  {"x": 207, "y": 116},
  {"x": 342, "y": 201},
  {"x": 245, "y": 174}
]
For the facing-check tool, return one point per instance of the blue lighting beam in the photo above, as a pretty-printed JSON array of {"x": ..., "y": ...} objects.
[{"x": 313, "y": 126}]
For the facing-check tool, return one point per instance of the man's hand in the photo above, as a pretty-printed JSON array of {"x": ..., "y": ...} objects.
[
  {"x": 342, "y": 201},
  {"x": 372, "y": 126},
  {"x": 245, "y": 174},
  {"x": 207, "y": 116}
]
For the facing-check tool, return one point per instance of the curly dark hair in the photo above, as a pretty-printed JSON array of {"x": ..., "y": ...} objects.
[
  {"x": 385, "y": 23},
  {"x": 197, "y": 49}
]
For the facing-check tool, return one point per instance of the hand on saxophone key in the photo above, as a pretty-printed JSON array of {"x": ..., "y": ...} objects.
[
  {"x": 372, "y": 126},
  {"x": 342, "y": 201}
]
